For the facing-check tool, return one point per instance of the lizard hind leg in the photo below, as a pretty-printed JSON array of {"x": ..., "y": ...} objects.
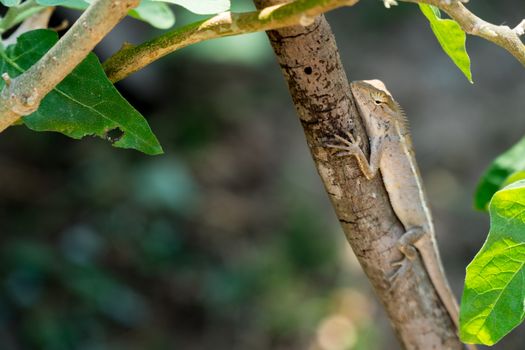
[
  {"x": 403, "y": 265},
  {"x": 405, "y": 244}
]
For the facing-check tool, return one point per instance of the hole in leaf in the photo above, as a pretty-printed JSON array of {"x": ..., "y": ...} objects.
[
  {"x": 114, "y": 135},
  {"x": 308, "y": 70}
]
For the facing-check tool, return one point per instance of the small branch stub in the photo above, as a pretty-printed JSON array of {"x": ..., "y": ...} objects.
[
  {"x": 6, "y": 78},
  {"x": 520, "y": 28},
  {"x": 390, "y": 3},
  {"x": 25, "y": 105}
]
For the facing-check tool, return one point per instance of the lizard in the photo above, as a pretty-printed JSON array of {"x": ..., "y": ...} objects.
[{"x": 392, "y": 155}]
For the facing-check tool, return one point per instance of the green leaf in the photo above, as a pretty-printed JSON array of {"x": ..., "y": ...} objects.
[
  {"x": 517, "y": 176},
  {"x": 451, "y": 38},
  {"x": 75, "y": 4},
  {"x": 201, "y": 7},
  {"x": 513, "y": 160},
  {"x": 10, "y": 3},
  {"x": 84, "y": 103},
  {"x": 492, "y": 303},
  {"x": 17, "y": 14},
  {"x": 157, "y": 14}
]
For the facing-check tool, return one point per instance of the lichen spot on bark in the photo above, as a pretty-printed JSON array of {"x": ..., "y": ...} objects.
[{"x": 327, "y": 174}]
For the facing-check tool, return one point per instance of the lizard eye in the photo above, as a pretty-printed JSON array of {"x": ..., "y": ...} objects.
[{"x": 377, "y": 102}]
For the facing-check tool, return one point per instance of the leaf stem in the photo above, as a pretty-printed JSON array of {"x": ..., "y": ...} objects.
[
  {"x": 133, "y": 58},
  {"x": 18, "y": 14}
]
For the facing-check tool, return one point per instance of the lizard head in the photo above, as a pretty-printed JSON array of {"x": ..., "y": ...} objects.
[{"x": 375, "y": 101}]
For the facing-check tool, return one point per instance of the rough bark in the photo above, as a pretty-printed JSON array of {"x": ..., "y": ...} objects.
[{"x": 311, "y": 65}]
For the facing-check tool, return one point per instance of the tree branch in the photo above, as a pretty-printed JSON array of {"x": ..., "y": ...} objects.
[
  {"x": 316, "y": 78},
  {"x": 133, "y": 58},
  {"x": 22, "y": 95},
  {"x": 301, "y": 12},
  {"x": 503, "y": 36}
]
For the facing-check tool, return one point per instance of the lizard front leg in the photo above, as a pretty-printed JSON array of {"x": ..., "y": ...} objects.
[{"x": 350, "y": 146}]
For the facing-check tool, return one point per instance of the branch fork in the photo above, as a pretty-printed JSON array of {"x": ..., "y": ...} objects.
[
  {"x": 299, "y": 12},
  {"x": 23, "y": 94},
  {"x": 501, "y": 35}
]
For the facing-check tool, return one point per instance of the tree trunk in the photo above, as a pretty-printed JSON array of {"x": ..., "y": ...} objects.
[{"x": 311, "y": 65}]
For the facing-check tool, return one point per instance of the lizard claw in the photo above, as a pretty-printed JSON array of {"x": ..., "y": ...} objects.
[
  {"x": 355, "y": 141},
  {"x": 345, "y": 141},
  {"x": 349, "y": 145},
  {"x": 344, "y": 154},
  {"x": 403, "y": 266},
  {"x": 347, "y": 150},
  {"x": 350, "y": 140}
]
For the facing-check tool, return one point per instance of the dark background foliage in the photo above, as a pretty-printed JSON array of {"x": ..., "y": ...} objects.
[{"x": 228, "y": 241}]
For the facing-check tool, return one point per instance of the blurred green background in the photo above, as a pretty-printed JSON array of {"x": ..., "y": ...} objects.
[{"x": 228, "y": 241}]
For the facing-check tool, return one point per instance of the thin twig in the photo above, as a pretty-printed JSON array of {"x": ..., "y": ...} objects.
[
  {"x": 300, "y": 12},
  {"x": 17, "y": 14},
  {"x": 39, "y": 20},
  {"x": 133, "y": 58},
  {"x": 23, "y": 95},
  {"x": 501, "y": 35}
]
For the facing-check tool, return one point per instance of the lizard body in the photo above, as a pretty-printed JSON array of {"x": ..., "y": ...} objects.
[{"x": 392, "y": 154}]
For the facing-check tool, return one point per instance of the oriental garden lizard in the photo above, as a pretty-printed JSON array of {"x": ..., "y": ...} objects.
[{"x": 392, "y": 155}]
